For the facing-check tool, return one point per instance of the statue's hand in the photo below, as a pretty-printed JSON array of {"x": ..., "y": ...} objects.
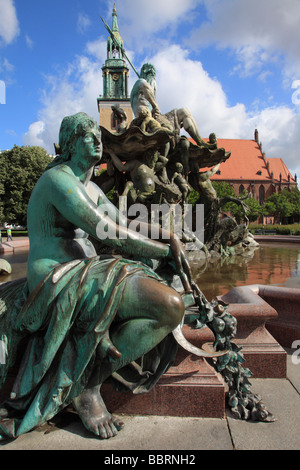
[
  {"x": 155, "y": 112},
  {"x": 182, "y": 265}
]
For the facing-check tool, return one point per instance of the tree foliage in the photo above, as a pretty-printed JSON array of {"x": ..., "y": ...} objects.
[
  {"x": 284, "y": 205},
  {"x": 224, "y": 189},
  {"x": 21, "y": 167},
  {"x": 255, "y": 210}
]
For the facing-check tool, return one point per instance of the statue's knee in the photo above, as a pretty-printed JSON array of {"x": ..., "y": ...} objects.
[
  {"x": 175, "y": 309},
  {"x": 185, "y": 113}
]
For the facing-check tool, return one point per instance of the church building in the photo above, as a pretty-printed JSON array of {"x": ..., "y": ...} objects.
[{"x": 249, "y": 169}]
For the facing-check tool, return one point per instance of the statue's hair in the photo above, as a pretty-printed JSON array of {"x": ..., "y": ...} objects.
[
  {"x": 147, "y": 68},
  {"x": 71, "y": 127}
]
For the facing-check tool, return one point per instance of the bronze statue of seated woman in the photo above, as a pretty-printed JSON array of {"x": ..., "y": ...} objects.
[{"x": 80, "y": 315}]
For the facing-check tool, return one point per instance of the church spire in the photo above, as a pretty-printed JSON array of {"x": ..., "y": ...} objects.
[
  {"x": 115, "y": 70},
  {"x": 115, "y": 27},
  {"x": 115, "y": 73},
  {"x": 115, "y": 50}
]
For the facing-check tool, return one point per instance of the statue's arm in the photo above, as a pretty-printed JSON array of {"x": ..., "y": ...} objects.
[
  {"x": 128, "y": 166},
  {"x": 69, "y": 198},
  {"x": 142, "y": 86},
  {"x": 149, "y": 94}
]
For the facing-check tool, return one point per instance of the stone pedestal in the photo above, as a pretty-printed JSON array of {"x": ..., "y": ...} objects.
[
  {"x": 191, "y": 387},
  {"x": 264, "y": 355},
  {"x": 286, "y": 301}
]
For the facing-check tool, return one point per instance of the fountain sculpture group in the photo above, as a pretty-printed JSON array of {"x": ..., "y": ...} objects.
[{"x": 96, "y": 306}]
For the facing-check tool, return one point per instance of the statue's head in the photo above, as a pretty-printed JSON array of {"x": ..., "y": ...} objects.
[
  {"x": 179, "y": 167},
  {"x": 212, "y": 138},
  {"x": 71, "y": 128},
  {"x": 144, "y": 112},
  {"x": 147, "y": 70}
]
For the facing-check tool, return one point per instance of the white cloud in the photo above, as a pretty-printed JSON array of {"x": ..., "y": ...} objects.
[
  {"x": 144, "y": 19},
  {"x": 6, "y": 65},
  {"x": 33, "y": 135},
  {"x": 83, "y": 23},
  {"x": 75, "y": 89},
  {"x": 258, "y": 31},
  {"x": 97, "y": 49},
  {"x": 9, "y": 26},
  {"x": 182, "y": 82},
  {"x": 29, "y": 41}
]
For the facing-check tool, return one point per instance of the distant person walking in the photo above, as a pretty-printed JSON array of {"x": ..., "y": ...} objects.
[{"x": 9, "y": 235}]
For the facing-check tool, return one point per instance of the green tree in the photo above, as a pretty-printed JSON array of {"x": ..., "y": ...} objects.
[
  {"x": 223, "y": 189},
  {"x": 280, "y": 206},
  {"x": 293, "y": 197},
  {"x": 193, "y": 197},
  {"x": 21, "y": 167},
  {"x": 254, "y": 212}
]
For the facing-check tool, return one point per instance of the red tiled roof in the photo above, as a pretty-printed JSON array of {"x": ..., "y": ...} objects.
[
  {"x": 247, "y": 163},
  {"x": 277, "y": 166}
]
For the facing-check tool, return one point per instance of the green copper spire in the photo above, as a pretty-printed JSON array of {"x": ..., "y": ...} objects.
[
  {"x": 114, "y": 50},
  {"x": 115, "y": 27},
  {"x": 115, "y": 70}
]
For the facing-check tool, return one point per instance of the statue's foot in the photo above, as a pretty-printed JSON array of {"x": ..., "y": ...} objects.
[{"x": 94, "y": 415}]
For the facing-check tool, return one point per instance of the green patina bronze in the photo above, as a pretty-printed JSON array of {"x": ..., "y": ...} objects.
[
  {"x": 177, "y": 169},
  {"x": 84, "y": 317},
  {"x": 81, "y": 317}
]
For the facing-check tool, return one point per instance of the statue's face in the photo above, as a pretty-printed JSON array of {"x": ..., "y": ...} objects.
[
  {"x": 144, "y": 112},
  {"x": 212, "y": 138},
  {"x": 89, "y": 144},
  {"x": 148, "y": 72}
]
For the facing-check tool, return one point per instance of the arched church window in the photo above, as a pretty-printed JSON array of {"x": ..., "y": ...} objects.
[{"x": 261, "y": 194}]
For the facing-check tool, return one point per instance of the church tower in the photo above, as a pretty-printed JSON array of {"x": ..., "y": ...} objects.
[{"x": 115, "y": 73}]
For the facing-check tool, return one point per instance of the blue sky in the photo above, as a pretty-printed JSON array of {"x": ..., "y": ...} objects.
[{"x": 234, "y": 63}]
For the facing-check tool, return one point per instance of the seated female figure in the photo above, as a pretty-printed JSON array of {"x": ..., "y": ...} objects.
[{"x": 84, "y": 317}]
